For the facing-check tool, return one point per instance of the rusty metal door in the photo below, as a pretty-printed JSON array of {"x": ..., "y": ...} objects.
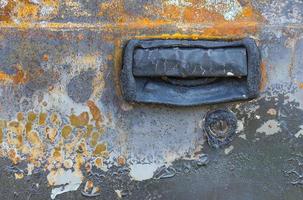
[{"x": 68, "y": 132}]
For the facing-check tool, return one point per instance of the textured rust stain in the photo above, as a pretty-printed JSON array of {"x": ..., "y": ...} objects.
[
  {"x": 42, "y": 119},
  {"x": 263, "y": 76},
  {"x": 100, "y": 149},
  {"x": 95, "y": 112},
  {"x": 66, "y": 131},
  {"x": 18, "y": 78},
  {"x": 81, "y": 120},
  {"x": 23, "y": 11},
  {"x": 1, "y": 135}
]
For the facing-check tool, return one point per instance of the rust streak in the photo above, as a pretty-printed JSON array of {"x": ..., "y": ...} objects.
[
  {"x": 263, "y": 76},
  {"x": 95, "y": 112}
]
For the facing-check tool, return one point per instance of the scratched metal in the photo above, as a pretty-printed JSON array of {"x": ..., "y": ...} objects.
[{"x": 67, "y": 133}]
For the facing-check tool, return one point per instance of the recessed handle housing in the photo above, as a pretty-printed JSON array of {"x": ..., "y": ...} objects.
[{"x": 186, "y": 72}]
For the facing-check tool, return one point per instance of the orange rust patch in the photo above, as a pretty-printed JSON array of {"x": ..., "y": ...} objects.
[
  {"x": 263, "y": 76},
  {"x": 300, "y": 85},
  {"x": 88, "y": 185},
  {"x": 42, "y": 118},
  {"x": 99, "y": 162},
  {"x": 172, "y": 12},
  {"x": 89, "y": 130},
  {"x": 31, "y": 116},
  {"x": 1, "y": 135},
  {"x": 88, "y": 167},
  {"x": 33, "y": 138},
  {"x": 13, "y": 156},
  {"x": 28, "y": 127},
  {"x": 81, "y": 120},
  {"x": 94, "y": 139},
  {"x": 20, "y": 116},
  {"x": 18, "y": 78},
  {"x": 79, "y": 161},
  {"x": 66, "y": 131},
  {"x": 56, "y": 154},
  {"x": 95, "y": 112},
  {"x": 45, "y": 57},
  {"x": 26, "y": 11},
  {"x": 245, "y": 23},
  {"x": 100, "y": 149},
  {"x": 55, "y": 119},
  {"x": 82, "y": 148},
  {"x": 3, "y": 123}
]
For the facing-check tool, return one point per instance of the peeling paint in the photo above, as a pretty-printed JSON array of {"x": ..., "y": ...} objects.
[
  {"x": 66, "y": 180},
  {"x": 140, "y": 172},
  {"x": 300, "y": 132},
  {"x": 270, "y": 127},
  {"x": 229, "y": 149}
]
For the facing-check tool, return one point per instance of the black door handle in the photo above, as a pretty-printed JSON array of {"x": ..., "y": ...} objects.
[{"x": 182, "y": 72}]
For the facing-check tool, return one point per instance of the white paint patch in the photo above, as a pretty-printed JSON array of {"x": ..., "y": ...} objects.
[
  {"x": 272, "y": 111},
  {"x": 300, "y": 132},
  {"x": 119, "y": 193},
  {"x": 257, "y": 116},
  {"x": 140, "y": 172},
  {"x": 240, "y": 126},
  {"x": 228, "y": 149},
  {"x": 66, "y": 180},
  {"x": 58, "y": 100},
  {"x": 230, "y": 74},
  {"x": 243, "y": 136},
  {"x": 30, "y": 168},
  {"x": 3, "y": 3},
  {"x": 270, "y": 127},
  {"x": 35, "y": 1},
  {"x": 46, "y": 11},
  {"x": 230, "y": 9},
  {"x": 295, "y": 97},
  {"x": 179, "y": 3}
]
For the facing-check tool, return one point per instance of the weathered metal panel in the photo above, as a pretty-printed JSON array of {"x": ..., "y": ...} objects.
[{"x": 65, "y": 126}]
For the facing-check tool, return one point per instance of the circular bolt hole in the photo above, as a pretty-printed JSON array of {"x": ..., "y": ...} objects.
[{"x": 220, "y": 127}]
